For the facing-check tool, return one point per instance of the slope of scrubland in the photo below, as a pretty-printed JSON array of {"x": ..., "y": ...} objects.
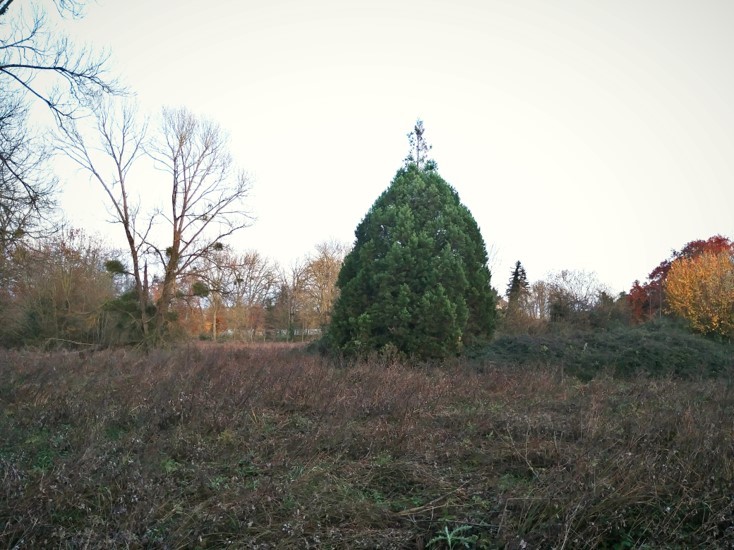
[
  {"x": 657, "y": 348},
  {"x": 273, "y": 447}
]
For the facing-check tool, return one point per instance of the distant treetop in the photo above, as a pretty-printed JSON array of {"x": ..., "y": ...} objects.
[{"x": 419, "y": 149}]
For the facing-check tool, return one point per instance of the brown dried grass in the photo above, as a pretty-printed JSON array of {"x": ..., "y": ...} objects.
[{"x": 272, "y": 447}]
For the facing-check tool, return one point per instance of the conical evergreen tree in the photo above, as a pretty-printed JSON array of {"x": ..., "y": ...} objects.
[
  {"x": 518, "y": 286},
  {"x": 417, "y": 277}
]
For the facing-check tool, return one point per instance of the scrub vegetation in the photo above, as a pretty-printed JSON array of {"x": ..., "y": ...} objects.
[{"x": 271, "y": 446}]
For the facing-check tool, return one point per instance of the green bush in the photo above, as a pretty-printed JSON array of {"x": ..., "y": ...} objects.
[{"x": 658, "y": 348}]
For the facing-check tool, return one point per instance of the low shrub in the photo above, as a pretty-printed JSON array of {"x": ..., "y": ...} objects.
[{"x": 657, "y": 348}]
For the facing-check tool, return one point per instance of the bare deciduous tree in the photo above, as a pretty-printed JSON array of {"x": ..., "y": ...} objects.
[
  {"x": 322, "y": 273},
  {"x": 573, "y": 294},
  {"x": 26, "y": 186},
  {"x": 238, "y": 289},
  {"x": 216, "y": 276},
  {"x": 71, "y": 78},
  {"x": 539, "y": 300},
  {"x": 118, "y": 146},
  {"x": 207, "y": 196},
  {"x": 254, "y": 285},
  {"x": 290, "y": 312}
]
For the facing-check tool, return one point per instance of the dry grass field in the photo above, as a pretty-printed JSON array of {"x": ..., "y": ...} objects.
[{"x": 274, "y": 447}]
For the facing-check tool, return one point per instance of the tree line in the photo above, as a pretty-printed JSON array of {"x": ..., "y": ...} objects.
[
  {"x": 416, "y": 280},
  {"x": 177, "y": 274},
  {"x": 695, "y": 284},
  {"x": 66, "y": 290}
]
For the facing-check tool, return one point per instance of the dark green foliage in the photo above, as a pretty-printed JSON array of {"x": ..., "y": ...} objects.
[
  {"x": 115, "y": 267},
  {"x": 517, "y": 299},
  {"x": 609, "y": 312},
  {"x": 123, "y": 320},
  {"x": 417, "y": 277},
  {"x": 518, "y": 284},
  {"x": 658, "y": 348},
  {"x": 200, "y": 289}
]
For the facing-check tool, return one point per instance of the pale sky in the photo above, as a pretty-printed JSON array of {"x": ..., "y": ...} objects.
[{"x": 591, "y": 135}]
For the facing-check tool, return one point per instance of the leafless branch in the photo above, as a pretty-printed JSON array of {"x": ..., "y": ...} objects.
[
  {"x": 30, "y": 49},
  {"x": 120, "y": 141},
  {"x": 207, "y": 194}
]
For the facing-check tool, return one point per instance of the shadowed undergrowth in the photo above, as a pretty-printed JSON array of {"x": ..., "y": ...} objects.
[
  {"x": 657, "y": 348},
  {"x": 273, "y": 447}
]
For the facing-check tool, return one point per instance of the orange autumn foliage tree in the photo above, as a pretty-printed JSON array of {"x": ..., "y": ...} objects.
[
  {"x": 648, "y": 299},
  {"x": 701, "y": 290}
]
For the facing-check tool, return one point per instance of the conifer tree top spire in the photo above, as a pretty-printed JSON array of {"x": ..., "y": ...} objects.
[
  {"x": 518, "y": 281},
  {"x": 419, "y": 148}
]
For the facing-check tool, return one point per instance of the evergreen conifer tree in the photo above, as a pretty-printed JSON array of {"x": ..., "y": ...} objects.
[
  {"x": 518, "y": 286},
  {"x": 516, "y": 316},
  {"x": 417, "y": 277}
]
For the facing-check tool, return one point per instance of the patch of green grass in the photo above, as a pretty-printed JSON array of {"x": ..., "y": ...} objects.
[
  {"x": 458, "y": 537},
  {"x": 219, "y": 482},
  {"x": 169, "y": 465},
  {"x": 46, "y": 447}
]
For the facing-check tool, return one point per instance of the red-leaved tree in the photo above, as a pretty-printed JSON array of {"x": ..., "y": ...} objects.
[{"x": 647, "y": 300}]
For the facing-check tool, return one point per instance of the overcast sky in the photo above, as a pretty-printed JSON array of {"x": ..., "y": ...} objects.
[{"x": 593, "y": 135}]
